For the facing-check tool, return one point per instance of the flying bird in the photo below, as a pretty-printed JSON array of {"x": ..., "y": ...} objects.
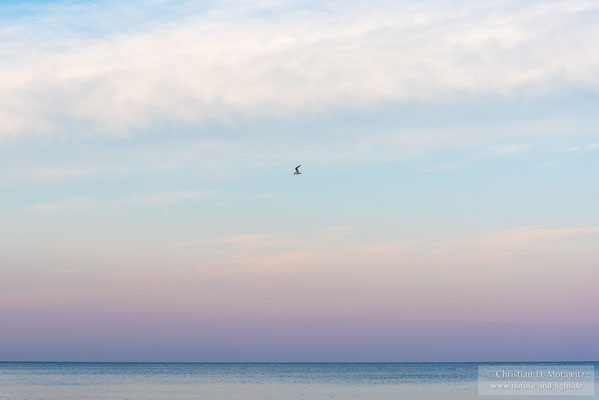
[{"x": 297, "y": 170}]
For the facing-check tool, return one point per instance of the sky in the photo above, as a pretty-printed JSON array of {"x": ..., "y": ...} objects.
[{"x": 447, "y": 209}]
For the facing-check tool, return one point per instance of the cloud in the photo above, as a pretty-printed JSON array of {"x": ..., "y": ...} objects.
[
  {"x": 505, "y": 150},
  {"x": 264, "y": 196},
  {"x": 337, "y": 232},
  {"x": 255, "y": 240},
  {"x": 526, "y": 236},
  {"x": 56, "y": 173},
  {"x": 512, "y": 149},
  {"x": 311, "y": 241},
  {"x": 70, "y": 204},
  {"x": 538, "y": 232},
  {"x": 589, "y": 147},
  {"x": 259, "y": 59},
  {"x": 159, "y": 199}
]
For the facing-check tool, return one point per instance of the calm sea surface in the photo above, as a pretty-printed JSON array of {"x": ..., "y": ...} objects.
[{"x": 264, "y": 381}]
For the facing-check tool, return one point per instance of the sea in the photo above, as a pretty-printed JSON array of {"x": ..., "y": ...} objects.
[{"x": 260, "y": 381}]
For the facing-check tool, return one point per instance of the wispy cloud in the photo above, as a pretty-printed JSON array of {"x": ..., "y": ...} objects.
[
  {"x": 70, "y": 204},
  {"x": 522, "y": 236},
  {"x": 589, "y": 147},
  {"x": 512, "y": 149},
  {"x": 159, "y": 199},
  {"x": 337, "y": 232},
  {"x": 308, "y": 241},
  {"x": 501, "y": 151},
  {"x": 235, "y": 61},
  {"x": 264, "y": 196},
  {"x": 255, "y": 240},
  {"x": 540, "y": 232},
  {"x": 56, "y": 173}
]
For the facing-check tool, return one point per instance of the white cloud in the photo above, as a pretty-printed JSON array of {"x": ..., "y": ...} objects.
[
  {"x": 537, "y": 232},
  {"x": 70, "y": 204},
  {"x": 512, "y": 149},
  {"x": 159, "y": 199},
  {"x": 264, "y": 196},
  {"x": 523, "y": 236},
  {"x": 337, "y": 232},
  {"x": 505, "y": 150},
  {"x": 589, "y": 147},
  {"x": 233, "y": 61},
  {"x": 56, "y": 173},
  {"x": 255, "y": 240}
]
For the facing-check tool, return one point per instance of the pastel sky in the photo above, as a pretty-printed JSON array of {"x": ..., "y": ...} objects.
[{"x": 447, "y": 210}]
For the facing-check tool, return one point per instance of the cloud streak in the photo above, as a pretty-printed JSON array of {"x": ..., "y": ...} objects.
[
  {"x": 589, "y": 147},
  {"x": 161, "y": 198},
  {"x": 235, "y": 62},
  {"x": 69, "y": 204}
]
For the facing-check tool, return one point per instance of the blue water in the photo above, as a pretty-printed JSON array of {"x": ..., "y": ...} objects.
[{"x": 224, "y": 381}]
